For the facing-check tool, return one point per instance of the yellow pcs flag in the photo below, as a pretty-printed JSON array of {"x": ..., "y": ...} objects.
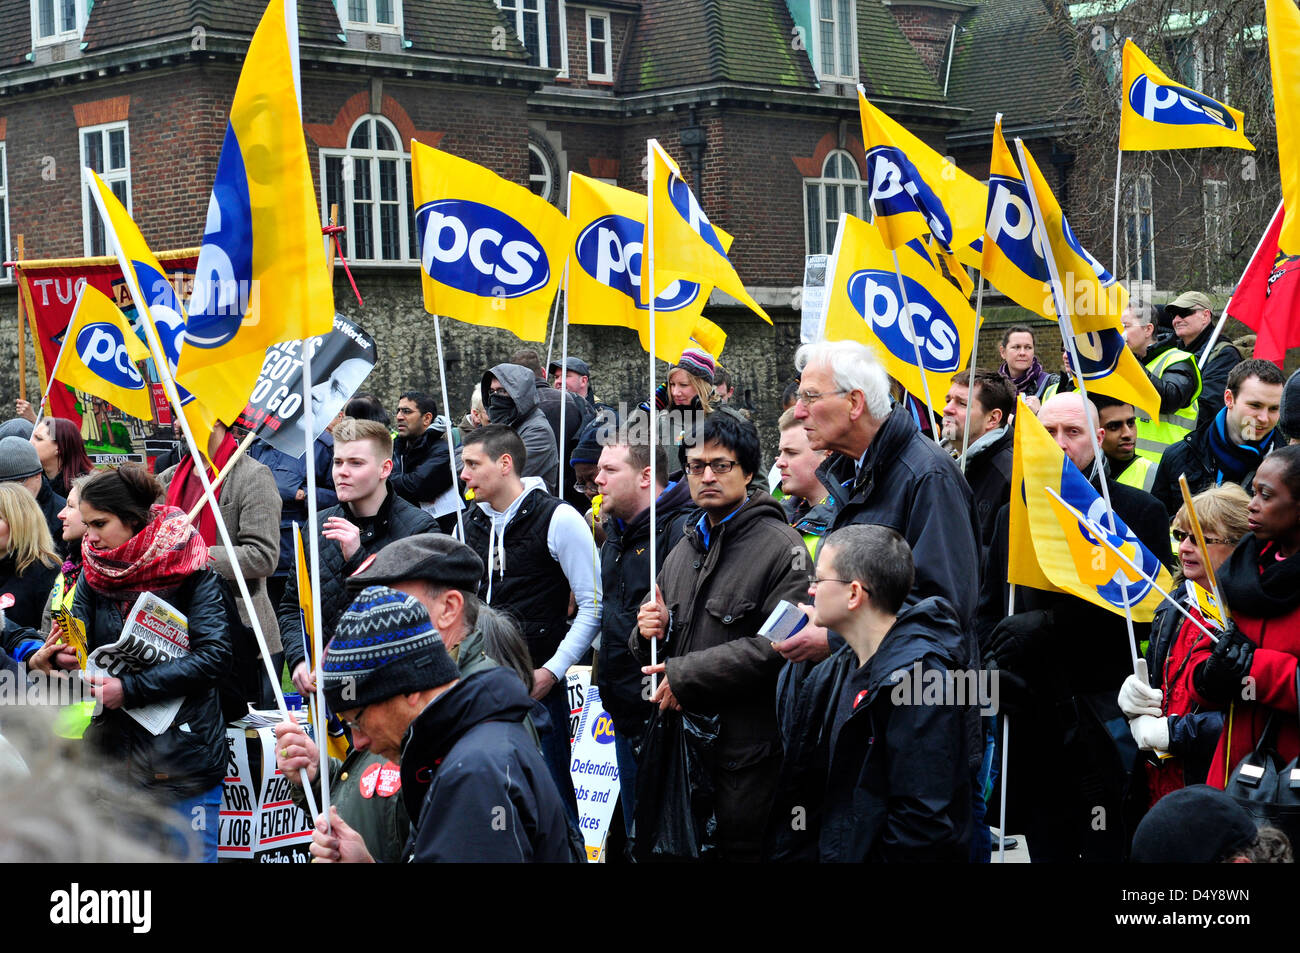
[
  {"x": 1023, "y": 568},
  {"x": 866, "y": 304},
  {"x": 1283, "y": 23},
  {"x": 491, "y": 252},
  {"x": 1157, "y": 113},
  {"x": 605, "y": 272},
  {"x": 100, "y": 352},
  {"x": 1065, "y": 523},
  {"x": 915, "y": 191},
  {"x": 1012, "y": 254},
  {"x": 261, "y": 276},
  {"x": 687, "y": 246},
  {"x": 154, "y": 297}
]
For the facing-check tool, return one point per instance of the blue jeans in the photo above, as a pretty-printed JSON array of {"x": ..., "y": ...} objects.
[
  {"x": 556, "y": 752},
  {"x": 201, "y": 814},
  {"x": 626, "y": 778},
  {"x": 981, "y": 843}
]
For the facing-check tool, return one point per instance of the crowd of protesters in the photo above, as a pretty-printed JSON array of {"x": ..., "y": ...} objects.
[{"x": 466, "y": 563}]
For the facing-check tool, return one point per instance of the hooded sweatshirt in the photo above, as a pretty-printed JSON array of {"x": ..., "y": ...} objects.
[{"x": 519, "y": 410}]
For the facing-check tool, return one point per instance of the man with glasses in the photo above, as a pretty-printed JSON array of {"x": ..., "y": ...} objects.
[
  {"x": 1193, "y": 321},
  {"x": 734, "y": 564}
]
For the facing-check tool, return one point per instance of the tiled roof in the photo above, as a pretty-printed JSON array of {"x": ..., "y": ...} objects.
[
  {"x": 686, "y": 42},
  {"x": 16, "y": 39},
  {"x": 888, "y": 64},
  {"x": 461, "y": 28},
  {"x": 119, "y": 22},
  {"x": 1012, "y": 58}
]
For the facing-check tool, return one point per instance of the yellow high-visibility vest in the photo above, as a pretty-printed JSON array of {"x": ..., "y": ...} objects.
[{"x": 1156, "y": 436}]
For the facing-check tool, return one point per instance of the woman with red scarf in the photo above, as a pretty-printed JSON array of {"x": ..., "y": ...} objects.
[
  {"x": 132, "y": 546},
  {"x": 1251, "y": 673}
]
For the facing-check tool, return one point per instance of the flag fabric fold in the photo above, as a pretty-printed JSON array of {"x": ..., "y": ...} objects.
[
  {"x": 100, "y": 353},
  {"x": 1283, "y": 24},
  {"x": 1012, "y": 254},
  {"x": 1267, "y": 299},
  {"x": 1156, "y": 113}
]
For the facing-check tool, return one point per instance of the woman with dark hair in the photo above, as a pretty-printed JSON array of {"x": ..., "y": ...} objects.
[
  {"x": 1021, "y": 366},
  {"x": 62, "y": 452},
  {"x": 1250, "y": 673},
  {"x": 132, "y": 546}
]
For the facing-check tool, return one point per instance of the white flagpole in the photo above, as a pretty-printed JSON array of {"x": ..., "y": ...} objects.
[
  {"x": 40, "y": 411},
  {"x": 1006, "y": 740},
  {"x": 1223, "y": 316},
  {"x": 313, "y": 542},
  {"x": 650, "y": 293},
  {"x": 564, "y": 388},
  {"x": 1067, "y": 328},
  {"x": 550, "y": 340},
  {"x": 451, "y": 447},
  {"x": 1114, "y": 227},
  {"x": 200, "y": 464},
  {"x": 970, "y": 371}
]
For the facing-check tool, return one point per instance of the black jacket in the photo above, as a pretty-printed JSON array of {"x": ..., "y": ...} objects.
[
  {"x": 421, "y": 467},
  {"x": 1193, "y": 456},
  {"x": 988, "y": 471},
  {"x": 625, "y": 581},
  {"x": 396, "y": 519},
  {"x": 1214, "y": 374},
  {"x": 910, "y": 485},
  {"x": 1179, "y": 381},
  {"x": 901, "y": 778},
  {"x": 31, "y": 590},
  {"x": 51, "y": 503},
  {"x": 541, "y": 454},
  {"x": 475, "y": 787},
  {"x": 183, "y": 761},
  {"x": 576, "y": 415}
]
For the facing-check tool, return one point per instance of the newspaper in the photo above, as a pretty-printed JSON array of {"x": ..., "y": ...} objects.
[{"x": 154, "y": 632}]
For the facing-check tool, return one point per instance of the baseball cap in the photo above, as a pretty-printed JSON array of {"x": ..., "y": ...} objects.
[{"x": 1190, "y": 301}]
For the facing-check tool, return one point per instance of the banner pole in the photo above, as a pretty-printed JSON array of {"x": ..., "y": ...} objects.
[
  {"x": 451, "y": 446},
  {"x": 22, "y": 336},
  {"x": 650, "y": 293},
  {"x": 40, "y": 411},
  {"x": 1114, "y": 225},
  {"x": 970, "y": 384},
  {"x": 916, "y": 347},
  {"x": 564, "y": 389},
  {"x": 550, "y": 338},
  {"x": 1006, "y": 740},
  {"x": 200, "y": 463},
  {"x": 313, "y": 543},
  {"x": 230, "y": 464},
  {"x": 1067, "y": 336},
  {"x": 1223, "y": 315}
]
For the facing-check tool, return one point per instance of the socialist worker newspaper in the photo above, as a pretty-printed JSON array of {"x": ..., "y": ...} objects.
[{"x": 154, "y": 632}]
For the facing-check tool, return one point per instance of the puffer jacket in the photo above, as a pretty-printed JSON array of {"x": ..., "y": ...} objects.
[
  {"x": 190, "y": 756},
  {"x": 396, "y": 519},
  {"x": 527, "y": 420}
]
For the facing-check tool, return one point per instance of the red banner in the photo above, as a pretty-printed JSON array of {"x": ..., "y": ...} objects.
[{"x": 50, "y": 288}]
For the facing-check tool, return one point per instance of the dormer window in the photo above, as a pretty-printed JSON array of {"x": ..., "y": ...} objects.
[
  {"x": 835, "y": 47},
  {"x": 54, "y": 21},
  {"x": 379, "y": 15},
  {"x": 530, "y": 25}
]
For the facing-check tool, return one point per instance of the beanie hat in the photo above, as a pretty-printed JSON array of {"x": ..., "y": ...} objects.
[
  {"x": 1194, "y": 825},
  {"x": 384, "y": 645},
  {"x": 1289, "y": 419},
  {"x": 17, "y": 427},
  {"x": 434, "y": 557},
  {"x": 18, "y": 460},
  {"x": 698, "y": 362},
  {"x": 588, "y": 447}
]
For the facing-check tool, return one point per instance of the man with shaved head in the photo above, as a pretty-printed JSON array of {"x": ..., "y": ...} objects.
[{"x": 1060, "y": 660}]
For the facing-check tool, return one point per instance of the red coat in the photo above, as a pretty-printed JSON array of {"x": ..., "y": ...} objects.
[
  {"x": 1273, "y": 669},
  {"x": 1179, "y": 699}
]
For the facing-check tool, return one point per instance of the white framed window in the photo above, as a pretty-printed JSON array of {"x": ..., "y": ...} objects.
[
  {"x": 600, "y": 65},
  {"x": 840, "y": 189},
  {"x": 107, "y": 150},
  {"x": 54, "y": 21},
  {"x": 1139, "y": 230},
  {"x": 7, "y": 274},
  {"x": 530, "y": 25},
  {"x": 380, "y": 15},
  {"x": 370, "y": 182},
  {"x": 835, "y": 46},
  {"x": 541, "y": 172}
]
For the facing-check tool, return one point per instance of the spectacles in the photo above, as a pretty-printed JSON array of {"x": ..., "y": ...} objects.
[
  {"x": 403, "y": 411},
  {"x": 586, "y": 487},
  {"x": 847, "y": 582},
  {"x": 808, "y": 398},
  {"x": 719, "y": 467},
  {"x": 1179, "y": 536},
  {"x": 355, "y": 725}
]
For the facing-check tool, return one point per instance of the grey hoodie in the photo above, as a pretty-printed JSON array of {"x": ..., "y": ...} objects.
[{"x": 542, "y": 449}]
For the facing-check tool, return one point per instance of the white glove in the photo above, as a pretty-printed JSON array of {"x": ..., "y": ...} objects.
[
  {"x": 1151, "y": 734},
  {"x": 1137, "y": 697}
]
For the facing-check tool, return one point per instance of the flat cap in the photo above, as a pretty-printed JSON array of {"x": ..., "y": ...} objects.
[{"x": 434, "y": 557}]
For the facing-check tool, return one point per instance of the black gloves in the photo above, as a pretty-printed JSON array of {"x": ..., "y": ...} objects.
[
  {"x": 1218, "y": 679},
  {"x": 1011, "y": 642}
]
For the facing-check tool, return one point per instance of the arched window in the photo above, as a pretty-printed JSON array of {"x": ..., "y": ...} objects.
[
  {"x": 541, "y": 172},
  {"x": 839, "y": 190},
  {"x": 370, "y": 181}
]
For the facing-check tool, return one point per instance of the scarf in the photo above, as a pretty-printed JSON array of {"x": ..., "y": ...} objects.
[
  {"x": 1255, "y": 584},
  {"x": 186, "y": 489},
  {"x": 156, "y": 559},
  {"x": 1030, "y": 382},
  {"x": 1235, "y": 460}
]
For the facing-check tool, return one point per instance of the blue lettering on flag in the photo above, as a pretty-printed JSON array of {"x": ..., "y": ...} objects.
[
  {"x": 609, "y": 250},
  {"x": 166, "y": 310},
  {"x": 1011, "y": 225},
  {"x": 1176, "y": 106},
  {"x": 897, "y": 188},
  {"x": 224, "y": 274},
  {"x": 688, "y": 207},
  {"x": 479, "y": 250},
  {"x": 1078, "y": 492},
  {"x": 875, "y": 295},
  {"x": 102, "y": 348}
]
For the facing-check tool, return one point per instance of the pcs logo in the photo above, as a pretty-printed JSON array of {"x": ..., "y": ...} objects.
[
  {"x": 1011, "y": 226},
  {"x": 1176, "y": 106},
  {"x": 875, "y": 296},
  {"x": 102, "y": 348},
  {"x": 897, "y": 188},
  {"x": 688, "y": 207},
  {"x": 609, "y": 250},
  {"x": 478, "y": 249},
  {"x": 1099, "y": 352},
  {"x": 602, "y": 729}
]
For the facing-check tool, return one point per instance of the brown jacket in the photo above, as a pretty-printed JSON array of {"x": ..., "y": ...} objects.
[
  {"x": 718, "y": 596},
  {"x": 250, "y": 505}
]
